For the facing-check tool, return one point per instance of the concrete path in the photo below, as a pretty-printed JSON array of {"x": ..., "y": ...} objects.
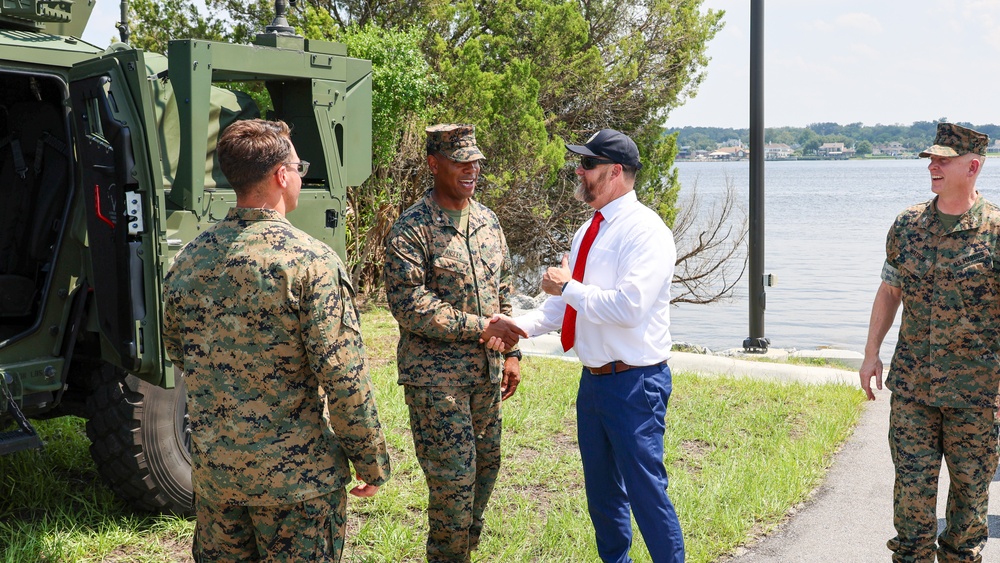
[{"x": 849, "y": 517}]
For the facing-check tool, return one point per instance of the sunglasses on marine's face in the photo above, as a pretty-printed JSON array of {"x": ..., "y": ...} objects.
[{"x": 590, "y": 162}]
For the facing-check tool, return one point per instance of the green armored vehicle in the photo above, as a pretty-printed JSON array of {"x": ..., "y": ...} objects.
[{"x": 106, "y": 171}]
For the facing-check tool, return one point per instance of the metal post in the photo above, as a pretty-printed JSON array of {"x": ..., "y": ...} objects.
[
  {"x": 756, "y": 343},
  {"x": 123, "y": 30},
  {"x": 279, "y": 25}
]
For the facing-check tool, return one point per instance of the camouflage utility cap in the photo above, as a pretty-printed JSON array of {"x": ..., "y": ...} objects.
[
  {"x": 955, "y": 140},
  {"x": 456, "y": 141}
]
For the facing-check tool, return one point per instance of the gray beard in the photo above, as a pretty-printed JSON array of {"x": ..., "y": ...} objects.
[{"x": 583, "y": 194}]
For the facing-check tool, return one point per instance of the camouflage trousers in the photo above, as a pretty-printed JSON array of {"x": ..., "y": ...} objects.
[
  {"x": 311, "y": 530},
  {"x": 919, "y": 436},
  {"x": 456, "y": 435}
]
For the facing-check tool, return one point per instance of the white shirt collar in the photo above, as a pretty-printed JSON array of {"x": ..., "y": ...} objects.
[{"x": 615, "y": 206}]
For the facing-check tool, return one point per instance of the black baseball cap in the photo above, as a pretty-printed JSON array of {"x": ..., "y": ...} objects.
[{"x": 612, "y": 145}]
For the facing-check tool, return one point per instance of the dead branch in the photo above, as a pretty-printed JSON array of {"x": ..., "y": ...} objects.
[{"x": 711, "y": 256}]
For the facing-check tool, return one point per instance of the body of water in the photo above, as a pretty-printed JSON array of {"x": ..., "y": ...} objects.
[{"x": 825, "y": 225}]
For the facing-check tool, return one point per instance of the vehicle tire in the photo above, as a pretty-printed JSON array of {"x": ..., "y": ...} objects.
[{"x": 140, "y": 442}]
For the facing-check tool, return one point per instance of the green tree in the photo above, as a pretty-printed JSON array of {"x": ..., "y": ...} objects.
[
  {"x": 863, "y": 148},
  {"x": 402, "y": 83},
  {"x": 173, "y": 19},
  {"x": 699, "y": 141},
  {"x": 916, "y": 136},
  {"x": 531, "y": 74},
  {"x": 812, "y": 145},
  {"x": 784, "y": 135},
  {"x": 596, "y": 64},
  {"x": 807, "y": 136},
  {"x": 826, "y": 128}
]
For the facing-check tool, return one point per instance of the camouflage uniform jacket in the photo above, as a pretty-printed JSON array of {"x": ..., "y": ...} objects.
[
  {"x": 949, "y": 339},
  {"x": 443, "y": 287},
  {"x": 260, "y": 318}
]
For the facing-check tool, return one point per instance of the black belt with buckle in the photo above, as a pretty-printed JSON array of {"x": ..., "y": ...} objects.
[{"x": 617, "y": 367}]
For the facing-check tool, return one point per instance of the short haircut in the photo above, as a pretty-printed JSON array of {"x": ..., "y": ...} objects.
[
  {"x": 629, "y": 171},
  {"x": 249, "y": 149}
]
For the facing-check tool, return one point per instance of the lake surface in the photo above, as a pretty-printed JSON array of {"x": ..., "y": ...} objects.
[{"x": 825, "y": 226}]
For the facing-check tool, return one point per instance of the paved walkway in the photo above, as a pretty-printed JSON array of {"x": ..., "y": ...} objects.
[{"x": 849, "y": 517}]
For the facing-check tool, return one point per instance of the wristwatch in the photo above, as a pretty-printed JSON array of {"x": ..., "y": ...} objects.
[{"x": 513, "y": 354}]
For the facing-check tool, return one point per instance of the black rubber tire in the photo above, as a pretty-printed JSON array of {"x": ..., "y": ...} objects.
[{"x": 140, "y": 443}]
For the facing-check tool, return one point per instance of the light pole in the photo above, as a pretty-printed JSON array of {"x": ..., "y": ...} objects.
[{"x": 756, "y": 343}]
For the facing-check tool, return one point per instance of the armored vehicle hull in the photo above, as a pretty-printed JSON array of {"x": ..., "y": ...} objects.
[{"x": 106, "y": 170}]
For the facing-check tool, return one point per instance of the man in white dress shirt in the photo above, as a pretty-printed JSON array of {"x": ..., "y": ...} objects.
[{"x": 613, "y": 308}]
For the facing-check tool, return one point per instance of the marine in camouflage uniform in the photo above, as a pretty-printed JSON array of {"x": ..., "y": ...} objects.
[
  {"x": 259, "y": 316},
  {"x": 943, "y": 265},
  {"x": 445, "y": 276}
]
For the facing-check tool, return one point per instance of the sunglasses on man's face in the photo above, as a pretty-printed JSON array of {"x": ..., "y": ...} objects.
[{"x": 590, "y": 162}]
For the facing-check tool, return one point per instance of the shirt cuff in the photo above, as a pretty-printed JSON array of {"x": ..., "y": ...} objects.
[
  {"x": 890, "y": 275},
  {"x": 477, "y": 324},
  {"x": 524, "y": 324},
  {"x": 572, "y": 290}
]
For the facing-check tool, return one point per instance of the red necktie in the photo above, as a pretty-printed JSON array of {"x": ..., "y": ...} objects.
[{"x": 569, "y": 319}]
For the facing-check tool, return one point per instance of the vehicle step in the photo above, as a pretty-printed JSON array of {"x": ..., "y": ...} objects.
[
  {"x": 18, "y": 440},
  {"x": 24, "y": 437}
]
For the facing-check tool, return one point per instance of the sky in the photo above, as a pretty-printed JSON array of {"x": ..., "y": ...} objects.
[
  {"x": 101, "y": 27},
  {"x": 847, "y": 61},
  {"x": 843, "y": 61}
]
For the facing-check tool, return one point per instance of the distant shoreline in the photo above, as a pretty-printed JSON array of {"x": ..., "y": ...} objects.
[{"x": 799, "y": 158}]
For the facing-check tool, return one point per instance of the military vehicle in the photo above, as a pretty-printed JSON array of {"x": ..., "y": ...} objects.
[{"x": 107, "y": 169}]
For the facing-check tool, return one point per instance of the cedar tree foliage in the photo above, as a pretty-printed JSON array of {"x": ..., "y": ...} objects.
[{"x": 532, "y": 75}]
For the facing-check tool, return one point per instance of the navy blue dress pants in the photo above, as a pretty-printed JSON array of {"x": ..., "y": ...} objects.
[{"x": 620, "y": 425}]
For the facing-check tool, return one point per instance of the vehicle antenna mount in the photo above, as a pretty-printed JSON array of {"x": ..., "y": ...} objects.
[
  {"x": 280, "y": 25},
  {"x": 122, "y": 24}
]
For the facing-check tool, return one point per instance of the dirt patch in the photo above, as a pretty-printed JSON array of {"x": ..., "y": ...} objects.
[
  {"x": 175, "y": 550},
  {"x": 566, "y": 440},
  {"x": 179, "y": 550},
  {"x": 693, "y": 454},
  {"x": 797, "y": 427},
  {"x": 563, "y": 443}
]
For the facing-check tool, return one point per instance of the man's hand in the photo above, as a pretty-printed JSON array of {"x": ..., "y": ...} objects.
[
  {"x": 503, "y": 328},
  {"x": 364, "y": 490},
  {"x": 511, "y": 377},
  {"x": 871, "y": 367},
  {"x": 887, "y": 301},
  {"x": 554, "y": 278},
  {"x": 495, "y": 344}
]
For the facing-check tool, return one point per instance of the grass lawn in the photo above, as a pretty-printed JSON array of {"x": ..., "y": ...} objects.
[{"x": 739, "y": 453}]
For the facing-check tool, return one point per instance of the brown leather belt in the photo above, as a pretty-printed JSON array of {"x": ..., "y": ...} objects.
[{"x": 616, "y": 367}]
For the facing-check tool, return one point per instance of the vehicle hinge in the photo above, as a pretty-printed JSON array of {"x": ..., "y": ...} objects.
[{"x": 133, "y": 210}]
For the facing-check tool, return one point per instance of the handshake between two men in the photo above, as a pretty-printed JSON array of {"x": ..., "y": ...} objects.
[{"x": 503, "y": 332}]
